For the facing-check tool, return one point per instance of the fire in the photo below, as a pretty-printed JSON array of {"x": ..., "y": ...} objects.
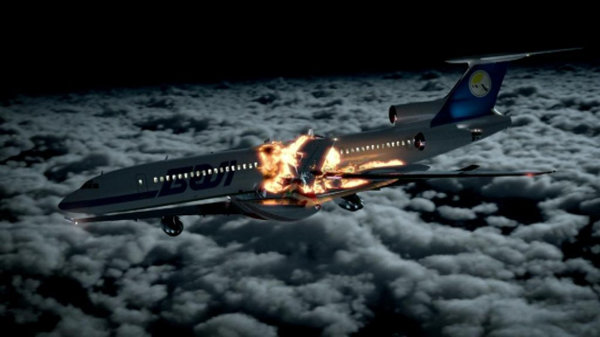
[
  {"x": 379, "y": 164},
  {"x": 279, "y": 163},
  {"x": 332, "y": 160},
  {"x": 279, "y": 166}
]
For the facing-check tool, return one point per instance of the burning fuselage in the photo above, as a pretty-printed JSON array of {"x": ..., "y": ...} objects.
[{"x": 291, "y": 180}]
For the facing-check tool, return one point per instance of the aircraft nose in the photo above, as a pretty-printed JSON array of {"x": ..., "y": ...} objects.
[
  {"x": 66, "y": 203},
  {"x": 62, "y": 204}
]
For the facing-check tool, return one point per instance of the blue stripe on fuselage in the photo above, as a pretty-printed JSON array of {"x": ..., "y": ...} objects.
[
  {"x": 170, "y": 187},
  {"x": 108, "y": 200}
]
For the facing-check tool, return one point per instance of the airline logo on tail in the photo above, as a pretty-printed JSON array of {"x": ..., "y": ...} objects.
[{"x": 480, "y": 83}]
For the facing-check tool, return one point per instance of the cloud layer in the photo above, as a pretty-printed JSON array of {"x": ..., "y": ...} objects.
[{"x": 495, "y": 257}]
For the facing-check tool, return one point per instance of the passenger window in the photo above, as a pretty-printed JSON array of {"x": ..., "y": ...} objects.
[
  {"x": 162, "y": 179},
  {"x": 155, "y": 180},
  {"x": 209, "y": 171},
  {"x": 167, "y": 178},
  {"x": 141, "y": 182},
  {"x": 221, "y": 169},
  {"x": 239, "y": 167},
  {"x": 185, "y": 175},
  {"x": 226, "y": 169},
  {"x": 203, "y": 173},
  {"x": 249, "y": 165},
  {"x": 255, "y": 164},
  {"x": 174, "y": 177},
  {"x": 244, "y": 166}
]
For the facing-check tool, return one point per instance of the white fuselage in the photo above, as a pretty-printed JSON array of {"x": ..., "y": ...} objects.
[{"x": 236, "y": 172}]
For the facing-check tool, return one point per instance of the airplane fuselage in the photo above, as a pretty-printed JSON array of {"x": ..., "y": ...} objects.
[
  {"x": 238, "y": 172},
  {"x": 289, "y": 181}
]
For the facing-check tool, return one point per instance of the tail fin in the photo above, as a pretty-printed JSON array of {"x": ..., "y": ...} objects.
[{"x": 475, "y": 93}]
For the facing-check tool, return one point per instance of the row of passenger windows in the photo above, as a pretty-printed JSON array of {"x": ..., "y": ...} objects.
[
  {"x": 248, "y": 166},
  {"x": 398, "y": 143},
  {"x": 222, "y": 169}
]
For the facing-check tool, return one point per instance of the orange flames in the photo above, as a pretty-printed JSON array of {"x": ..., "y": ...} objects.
[
  {"x": 278, "y": 163},
  {"x": 279, "y": 166},
  {"x": 380, "y": 164}
]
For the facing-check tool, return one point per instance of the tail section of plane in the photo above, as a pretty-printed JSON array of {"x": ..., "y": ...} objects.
[{"x": 475, "y": 93}]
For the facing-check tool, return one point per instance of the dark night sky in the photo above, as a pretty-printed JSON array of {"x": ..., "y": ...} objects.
[
  {"x": 54, "y": 54},
  {"x": 499, "y": 257}
]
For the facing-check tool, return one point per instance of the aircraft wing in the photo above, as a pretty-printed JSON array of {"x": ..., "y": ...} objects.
[
  {"x": 222, "y": 207},
  {"x": 387, "y": 179},
  {"x": 418, "y": 175}
]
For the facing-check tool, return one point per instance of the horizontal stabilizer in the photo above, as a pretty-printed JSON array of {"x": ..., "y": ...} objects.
[{"x": 506, "y": 57}]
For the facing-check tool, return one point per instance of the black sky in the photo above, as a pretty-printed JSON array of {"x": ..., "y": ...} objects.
[{"x": 49, "y": 54}]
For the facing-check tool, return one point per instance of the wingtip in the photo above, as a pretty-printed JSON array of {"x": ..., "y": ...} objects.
[
  {"x": 72, "y": 220},
  {"x": 539, "y": 173}
]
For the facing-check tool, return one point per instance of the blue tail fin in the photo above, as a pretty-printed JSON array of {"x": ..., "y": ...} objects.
[
  {"x": 474, "y": 95},
  {"x": 476, "y": 92}
]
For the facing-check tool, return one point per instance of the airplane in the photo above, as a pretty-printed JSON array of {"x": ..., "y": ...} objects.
[{"x": 289, "y": 181}]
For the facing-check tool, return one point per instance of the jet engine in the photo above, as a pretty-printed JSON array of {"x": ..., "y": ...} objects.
[{"x": 412, "y": 112}]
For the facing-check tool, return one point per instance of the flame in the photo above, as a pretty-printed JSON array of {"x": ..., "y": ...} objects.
[
  {"x": 332, "y": 160},
  {"x": 379, "y": 164},
  {"x": 279, "y": 164}
]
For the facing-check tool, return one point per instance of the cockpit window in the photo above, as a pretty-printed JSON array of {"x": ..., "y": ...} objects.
[{"x": 90, "y": 185}]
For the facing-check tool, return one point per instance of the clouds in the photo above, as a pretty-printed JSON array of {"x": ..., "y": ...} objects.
[
  {"x": 456, "y": 213},
  {"x": 233, "y": 325},
  {"x": 499, "y": 257}
]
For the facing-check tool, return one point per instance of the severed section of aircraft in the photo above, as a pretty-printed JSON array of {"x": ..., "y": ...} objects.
[{"x": 288, "y": 181}]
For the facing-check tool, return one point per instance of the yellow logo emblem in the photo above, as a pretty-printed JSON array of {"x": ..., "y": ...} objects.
[{"x": 480, "y": 83}]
